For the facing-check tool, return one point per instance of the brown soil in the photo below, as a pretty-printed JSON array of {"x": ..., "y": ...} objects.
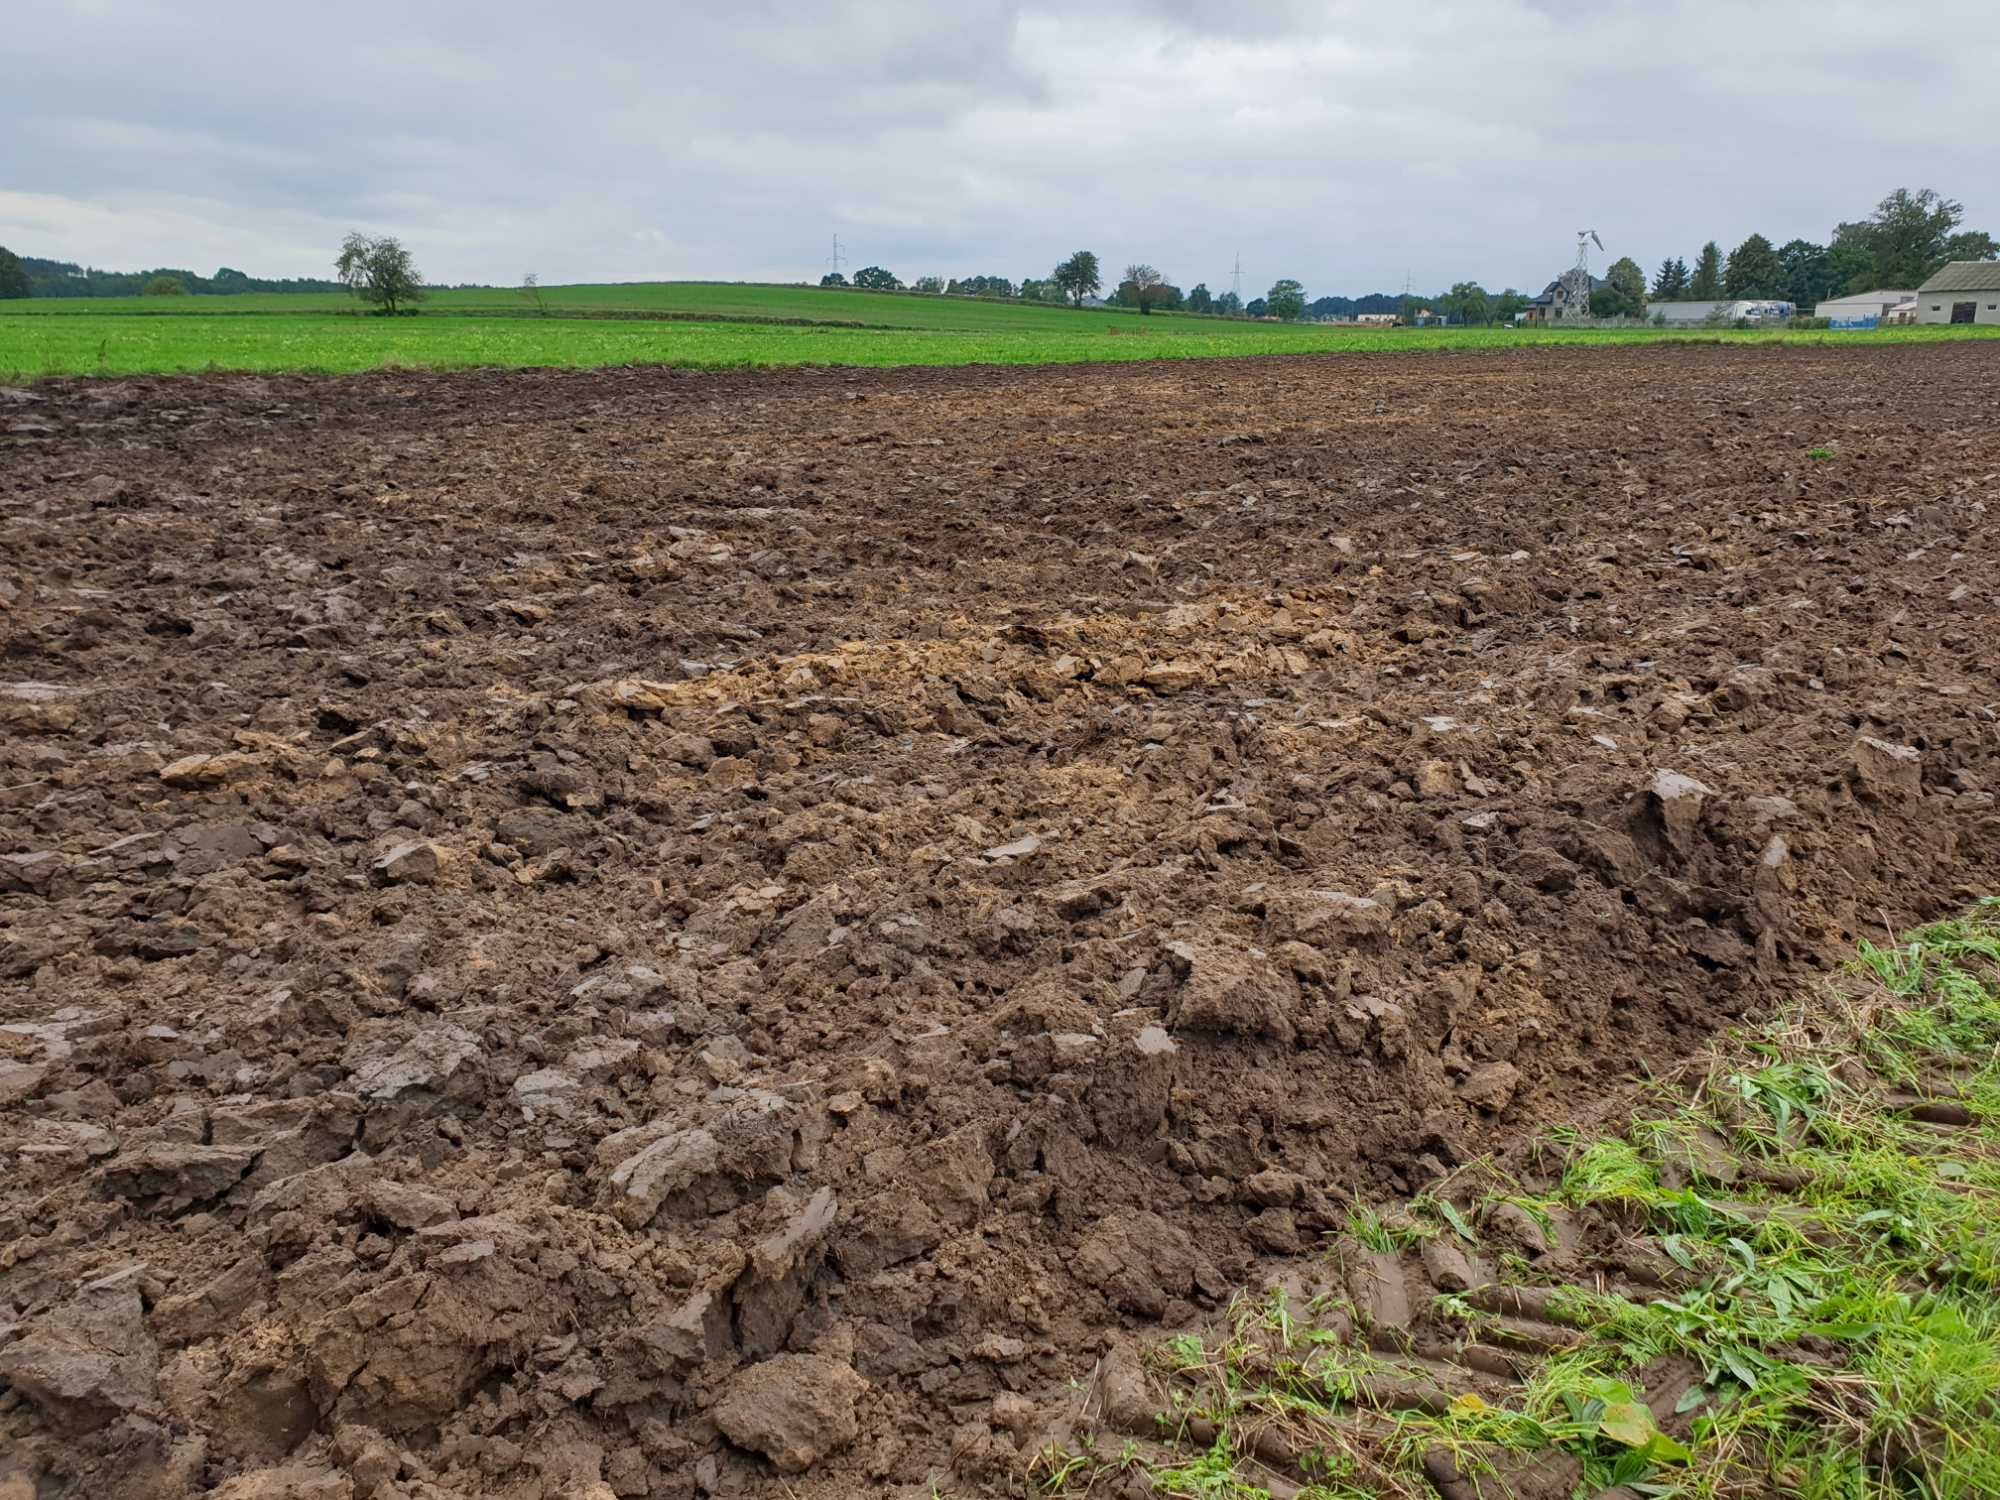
[{"x": 625, "y": 934}]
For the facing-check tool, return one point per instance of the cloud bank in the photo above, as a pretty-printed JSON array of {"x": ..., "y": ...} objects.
[{"x": 1349, "y": 145}]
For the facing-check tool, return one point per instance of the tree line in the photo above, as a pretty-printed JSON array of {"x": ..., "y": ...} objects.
[
  {"x": 1145, "y": 290},
  {"x": 32, "y": 276},
  {"x": 1081, "y": 276},
  {"x": 1908, "y": 238},
  {"x": 1072, "y": 280},
  {"x": 1902, "y": 244}
]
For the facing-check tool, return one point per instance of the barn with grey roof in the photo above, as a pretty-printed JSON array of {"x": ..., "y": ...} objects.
[{"x": 1965, "y": 291}]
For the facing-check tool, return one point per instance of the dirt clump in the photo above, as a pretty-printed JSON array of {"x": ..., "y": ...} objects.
[
  {"x": 636, "y": 934},
  {"x": 792, "y": 1408}
]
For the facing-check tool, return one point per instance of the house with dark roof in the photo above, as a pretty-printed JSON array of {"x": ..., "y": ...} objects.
[
  {"x": 1965, "y": 291},
  {"x": 1565, "y": 299}
]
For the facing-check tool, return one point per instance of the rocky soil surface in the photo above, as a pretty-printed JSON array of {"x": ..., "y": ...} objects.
[{"x": 629, "y": 934}]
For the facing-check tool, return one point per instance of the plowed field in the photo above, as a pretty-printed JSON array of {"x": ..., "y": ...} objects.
[{"x": 640, "y": 934}]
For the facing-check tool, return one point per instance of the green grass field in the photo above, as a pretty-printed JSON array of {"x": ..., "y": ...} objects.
[
  {"x": 696, "y": 300},
  {"x": 698, "y": 325}
]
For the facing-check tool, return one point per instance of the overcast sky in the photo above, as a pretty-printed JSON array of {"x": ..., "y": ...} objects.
[{"x": 1349, "y": 145}]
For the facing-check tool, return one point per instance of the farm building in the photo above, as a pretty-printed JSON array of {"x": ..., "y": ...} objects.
[
  {"x": 1966, "y": 291},
  {"x": 1563, "y": 300},
  {"x": 1724, "y": 313},
  {"x": 1864, "y": 309}
]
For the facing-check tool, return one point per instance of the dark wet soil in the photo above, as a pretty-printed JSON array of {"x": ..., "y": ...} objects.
[{"x": 628, "y": 934}]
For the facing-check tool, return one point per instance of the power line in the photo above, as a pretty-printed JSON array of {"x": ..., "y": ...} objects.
[
  {"x": 836, "y": 260},
  {"x": 1236, "y": 280}
]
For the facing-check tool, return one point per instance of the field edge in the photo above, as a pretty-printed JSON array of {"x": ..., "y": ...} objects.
[{"x": 1781, "y": 1273}]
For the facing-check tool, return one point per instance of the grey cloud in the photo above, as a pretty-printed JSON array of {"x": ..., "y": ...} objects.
[{"x": 1346, "y": 143}]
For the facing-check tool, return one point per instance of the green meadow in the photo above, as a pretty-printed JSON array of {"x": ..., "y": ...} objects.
[{"x": 704, "y": 326}]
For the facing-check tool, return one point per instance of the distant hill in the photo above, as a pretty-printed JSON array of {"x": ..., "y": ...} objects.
[{"x": 63, "y": 278}]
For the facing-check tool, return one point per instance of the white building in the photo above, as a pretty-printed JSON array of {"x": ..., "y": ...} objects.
[
  {"x": 1863, "y": 309},
  {"x": 1726, "y": 313},
  {"x": 1966, "y": 291}
]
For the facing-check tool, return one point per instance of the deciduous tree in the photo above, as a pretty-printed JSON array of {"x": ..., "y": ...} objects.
[
  {"x": 833, "y": 278},
  {"x": 1623, "y": 294},
  {"x": 1909, "y": 236},
  {"x": 1851, "y": 267},
  {"x": 1199, "y": 300},
  {"x": 1143, "y": 287},
  {"x": 1079, "y": 276},
  {"x": 379, "y": 272},
  {"x": 1805, "y": 273},
  {"x": 932, "y": 284},
  {"x": 1466, "y": 302},
  {"x": 166, "y": 286},
  {"x": 983, "y": 286},
  {"x": 1286, "y": 299},
  {"x": 1753, "y": 270},
  {"x": 1972, "y": 244},
  {"x": 875, "y": 279}
]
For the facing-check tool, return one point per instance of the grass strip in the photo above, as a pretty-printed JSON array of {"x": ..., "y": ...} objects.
[
  {"x": 1828, "y": 1196},
  {"x": 747, "y": 332}
]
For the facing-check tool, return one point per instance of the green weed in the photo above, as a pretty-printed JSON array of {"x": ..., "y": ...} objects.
[{"x": 1367, "y": 1228}]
